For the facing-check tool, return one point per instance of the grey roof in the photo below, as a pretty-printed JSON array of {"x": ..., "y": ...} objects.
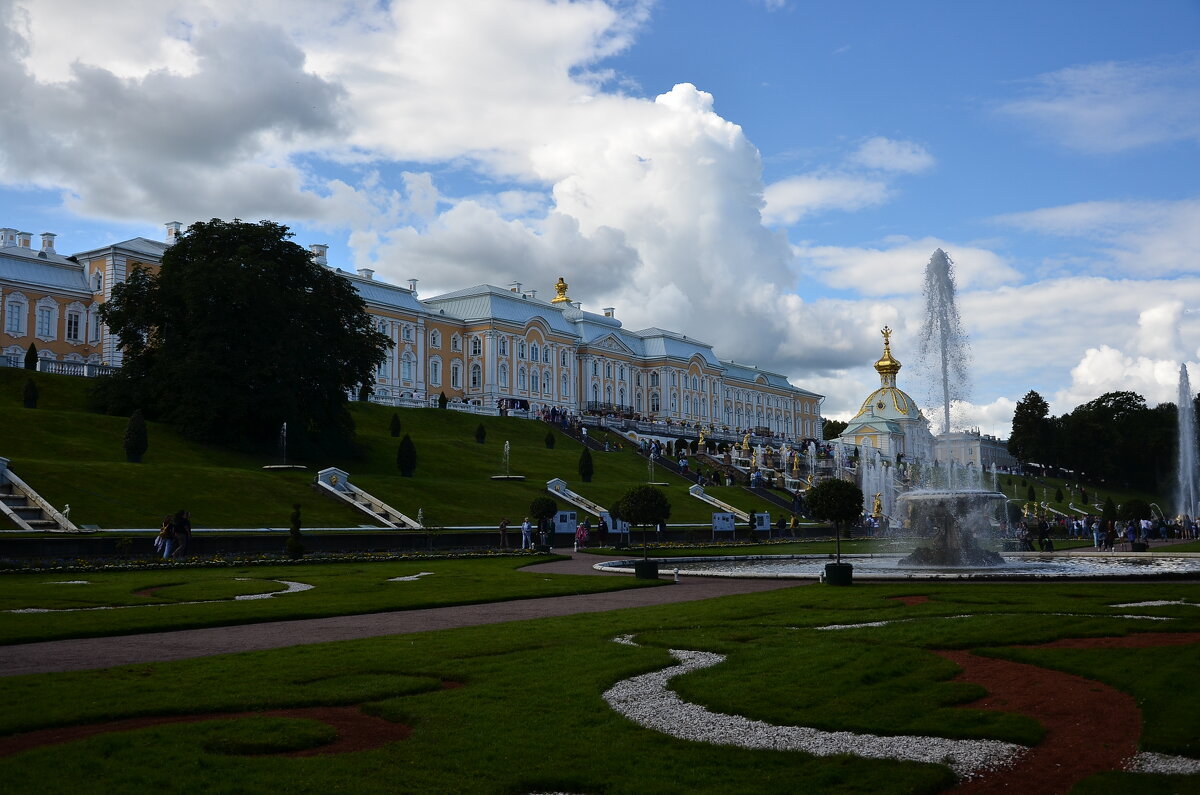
[
  {"x": 137, "y": 245},
  {"x": 379, "y": 293},
  {"x": 58, "y": 273},
  {"x": 743, "y": 372},
  {"x": 486, "y": 301}
]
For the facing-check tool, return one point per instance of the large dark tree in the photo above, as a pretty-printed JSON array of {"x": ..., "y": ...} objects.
[
  {"x": 137, "y": 441},
  {"x": 832, "y": 429},
  {"x": 838, "y": 501},
  {"x": 239, "y": 332},
  {"x": 1032, "y": 431},
  {"x": 586, "y": 468},
  {"x": 406, "y": 457}
]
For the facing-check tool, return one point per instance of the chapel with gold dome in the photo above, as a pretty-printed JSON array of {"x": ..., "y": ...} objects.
[{"x": 889, "y": 419}]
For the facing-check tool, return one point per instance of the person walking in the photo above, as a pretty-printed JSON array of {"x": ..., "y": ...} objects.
[
  {"x": 526, "y": 534},
  {"x": 165, "y": 543},
  {"x": 504, "y": 533}
]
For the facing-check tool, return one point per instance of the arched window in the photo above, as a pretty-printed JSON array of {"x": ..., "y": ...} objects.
[
  {"x": 521, "y": 350},
  {"x": 621, "y": 398},
  {"x": 655, "y": 407},
  {"x": 456, "y": 375},
  {"x": 546, "y": 354},
  {"x": 534, "y": 382},
  {"x": 476, "y": 376},
  {"x": 456, "y": 343},
  {"x": 503, "y": 346},
  {"x": 406, "y": 366},
  {"x": 674, "y": 403},
  {"x": 546, "y": 382},
  {"x": 476, "y": 346},
  {"x": 608, "y": 370},
  {"x": 435, "y": 339},
  {"x": 564, "y": 387},
  {"x": 533, "y": 351},
  {"x": 654, "y": 379},
  {"x": 687, "y": 405},
  {"x": 503, "y": 376},
  {"x": 637, "y": 400},
  {"x": 406, "y": 333},
  {"x": 435, "y": 372},
  {"x": 608, "y": 394},
  {"x": 595, "y": 393},
  {"x": 637, "y": 379},
  {"x": 595, "y": 368},
  {"x": 562, "y": 359},
  {"x": 521, "y": 379}
]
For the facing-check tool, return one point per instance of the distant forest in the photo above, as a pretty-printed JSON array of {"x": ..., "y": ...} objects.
[{"x": 1115, "y": 439}]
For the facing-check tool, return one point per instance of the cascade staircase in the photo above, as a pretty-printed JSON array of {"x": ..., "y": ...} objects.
[
  {"x": 26, "y": 508},
  {"x": 335, "y": 483}
]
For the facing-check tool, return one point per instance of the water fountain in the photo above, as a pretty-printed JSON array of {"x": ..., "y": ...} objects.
[
  {"x": 1187, "y": 492},
  {"x": 505, "y": 461},
  {"x": 283, "y": 448},
  {"x": 948, "y": 505}
]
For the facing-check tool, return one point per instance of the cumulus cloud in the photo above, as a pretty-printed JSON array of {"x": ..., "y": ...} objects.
[
  {"x": 793, "y": 198},
  {"x": 1114, "y": 106}
]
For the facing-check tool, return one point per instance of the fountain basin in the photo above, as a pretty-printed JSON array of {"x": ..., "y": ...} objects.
[
  {"x": 285, "y": 466},
  {"x": 508, "y": 477},
  {"x": 887, "y": 567}
]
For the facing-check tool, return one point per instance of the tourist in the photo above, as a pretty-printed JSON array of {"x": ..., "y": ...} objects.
[
  {"x": 165, "y": 543},
  {"x": 526, "y": 534},
  {"x": 504, "y": 533},
  {"x": 602, "y": 532},
  {"x": 182, "y": 523},
  {"x": 581, "y": 535}
]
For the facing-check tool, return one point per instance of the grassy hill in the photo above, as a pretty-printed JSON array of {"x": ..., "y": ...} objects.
[
  {"x": 1046, "y": 489},
  {"x": 72, "y": 456}
]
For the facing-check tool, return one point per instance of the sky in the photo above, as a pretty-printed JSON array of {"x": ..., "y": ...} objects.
[{"x": 768, "y": 176}]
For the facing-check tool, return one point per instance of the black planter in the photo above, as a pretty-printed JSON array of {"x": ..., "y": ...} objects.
[
  {"x": 838, "y": 574},
  {"x": 645, "y": 569},
  {"x": 1139, "y": 546}
]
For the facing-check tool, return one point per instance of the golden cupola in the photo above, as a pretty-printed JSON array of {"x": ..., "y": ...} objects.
[{"x": 887, "y": 366}]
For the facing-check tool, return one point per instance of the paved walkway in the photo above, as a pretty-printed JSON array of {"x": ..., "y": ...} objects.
[{"x": 90, "y": 653}]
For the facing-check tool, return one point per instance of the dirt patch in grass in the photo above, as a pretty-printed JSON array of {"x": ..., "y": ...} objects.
[
  {"x": 356, "y": 730},
  {"x": 909, "y": 601},
  {"x": 1090, "y": 727}
]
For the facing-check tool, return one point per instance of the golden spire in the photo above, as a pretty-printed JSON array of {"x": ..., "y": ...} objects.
[
  {"x": 561, "y": 288},
  {"x": 887, "y": 366}
]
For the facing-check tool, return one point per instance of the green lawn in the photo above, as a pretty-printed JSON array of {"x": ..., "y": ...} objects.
[
  {"x": 158, "y": 599},
  {"x": 529, "y": 717},
  {"x": 74, "y": 457}
]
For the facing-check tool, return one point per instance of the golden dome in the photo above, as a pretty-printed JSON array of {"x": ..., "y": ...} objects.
[{"x": 887, "y": 366}]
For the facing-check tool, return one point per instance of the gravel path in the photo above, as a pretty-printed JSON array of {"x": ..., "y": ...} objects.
[{"x": 90, "y": 653}]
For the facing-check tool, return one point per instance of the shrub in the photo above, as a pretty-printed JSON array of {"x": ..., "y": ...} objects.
[
  {"x": 136, "y": 440},
  {"x": 694, "y": 445},
  {"x": 549, "y": 440},
  {"x": 1030, "y": 495},
  {"x": 542, "y": 509},
  {"x": 294, "y": 548},
  {"x": 30, "y": 395},
  {"x": 1134, "y": 509},
  {"x": 1083, "y": 496},
  {"x": 442, "y": 400},
  {"x": 31, "y": 357},
  {"x": 395, "y": 426},
  {"x": 586, "y": 469},
  {"x": 1058, "y": 495},
  {"x": 406, "y": 457},
  {"x": 480, "y": 433}
]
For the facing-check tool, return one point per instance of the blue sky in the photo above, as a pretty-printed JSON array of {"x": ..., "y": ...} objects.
[{"x": 768, "y": 176}]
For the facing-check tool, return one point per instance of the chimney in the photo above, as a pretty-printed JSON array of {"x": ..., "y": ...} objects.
[
  {"x": 533, "y": 294},
  {"x": 8, "y": 236},
  {"x": 366, "y": 273},
  {"x": 25, "y": 239},
  {"x": 47, "y": 242},
  {"x": 173, "y": 228},
  {"x": 320, "y": 253},
  {"x": 515, "y": 287},
  {"x": 412, "y": 286},
  {"x": 609, "y": 311}
]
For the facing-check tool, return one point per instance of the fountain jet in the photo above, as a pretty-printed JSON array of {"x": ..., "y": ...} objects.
[
  {"x": 943, "y": 349},
  {"x": 1188, "y": 477}
]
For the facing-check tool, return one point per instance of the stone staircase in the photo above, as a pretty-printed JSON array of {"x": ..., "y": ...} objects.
[{"x": 26, "y": 508}]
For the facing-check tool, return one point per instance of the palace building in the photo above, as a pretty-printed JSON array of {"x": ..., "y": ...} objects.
[{"x": 486, "y": 346}]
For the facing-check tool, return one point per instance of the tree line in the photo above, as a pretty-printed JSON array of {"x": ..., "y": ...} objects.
[{"x": 1116, "y": 439}]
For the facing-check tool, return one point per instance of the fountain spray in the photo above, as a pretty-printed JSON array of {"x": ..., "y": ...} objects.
[
  {"x": 1188, "y": 477},
  {"x": 943, "y": 344}
]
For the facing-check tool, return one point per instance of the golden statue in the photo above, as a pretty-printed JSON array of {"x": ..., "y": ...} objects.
[
  {"x": 746, "y": 442},
  {"x": 795, "y": 463},
  {"x": 560, "y": 287},
  {"x": 700, "y": 441},
  {"x": 877, "y": 507}
]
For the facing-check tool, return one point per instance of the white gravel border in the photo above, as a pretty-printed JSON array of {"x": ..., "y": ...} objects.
[
  {"x": 289, "y": 587},
  {"x": 648, "y": 701},
  {"x": 1147, "y": 762}
]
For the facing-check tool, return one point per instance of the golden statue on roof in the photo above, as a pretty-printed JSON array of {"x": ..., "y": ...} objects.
[{"x": 560, "y": 287}]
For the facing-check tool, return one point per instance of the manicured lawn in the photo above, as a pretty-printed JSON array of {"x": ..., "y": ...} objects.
[
  {"x": 529, "y": 717},
  {"x": 75, "y": 457},
  {"x": 157, "y": 600}
]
